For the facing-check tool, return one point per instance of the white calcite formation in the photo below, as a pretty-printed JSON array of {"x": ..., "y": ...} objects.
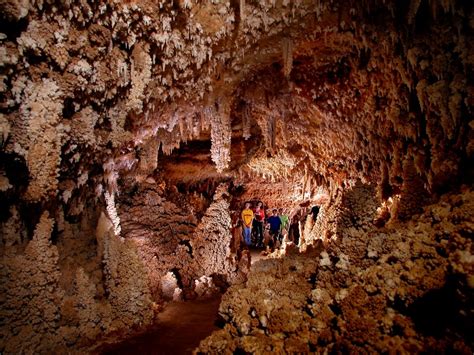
[
  {"x": 131, "y": 132},
  {"x": 404, "y": 287}
]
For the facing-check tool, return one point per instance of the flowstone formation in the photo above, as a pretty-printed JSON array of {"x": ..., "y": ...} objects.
[{"x": 132, "y": 131}]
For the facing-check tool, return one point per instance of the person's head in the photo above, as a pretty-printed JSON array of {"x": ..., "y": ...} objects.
[
  {"x": 260, "y": 204},
  {"x": 280, "y": 210},
  {"x": 274, "y": 211},
  {"x": 247, "y": 205}
]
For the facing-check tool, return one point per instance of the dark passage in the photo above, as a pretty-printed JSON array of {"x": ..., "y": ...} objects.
[{"x": 179, "y": 329}]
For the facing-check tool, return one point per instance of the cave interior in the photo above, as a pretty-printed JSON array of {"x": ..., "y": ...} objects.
[{"x": 132, "y": 133}]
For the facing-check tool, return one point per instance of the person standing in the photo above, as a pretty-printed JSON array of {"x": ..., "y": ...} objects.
[
  {"x": 285, "y": 222},
  {"x": 247, "y": 219},
  {"x": 275, "y": 224},
  {"x": 259, "y": 218},
  {"x": 294, "y": 232}
]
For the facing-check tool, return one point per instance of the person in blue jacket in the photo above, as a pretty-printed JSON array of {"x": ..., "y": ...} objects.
[{"x": 275, "y": 223}]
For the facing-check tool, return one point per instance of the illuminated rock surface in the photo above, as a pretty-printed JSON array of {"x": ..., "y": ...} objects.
[{"x": 131, "y": 133}]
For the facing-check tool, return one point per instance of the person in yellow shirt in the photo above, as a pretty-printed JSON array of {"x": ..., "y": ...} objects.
[{"x": 247, "y": 219}]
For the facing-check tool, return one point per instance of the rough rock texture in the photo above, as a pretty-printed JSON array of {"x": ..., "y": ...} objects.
[
  {"x": 174, "y": 247},
  {"x": 408, "y": 290},
  {"x": 163, "y": 231},
  {"x": 213, "y": 239},
  {"x": 129, "y": 296},
  {"x": 30, "y": 296},
  {"x": 99, "y": 97},
  {"x": 104, "y": 79},
  {"x": 350, "y": 209},
  {"x": 52, "y": 301}
]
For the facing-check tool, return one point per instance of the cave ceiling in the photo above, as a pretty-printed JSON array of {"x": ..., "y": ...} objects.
[{"x": 331, "y": 91}]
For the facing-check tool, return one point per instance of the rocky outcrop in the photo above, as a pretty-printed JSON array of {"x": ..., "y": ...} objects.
[
  {"x": 163, "y": 231},
  {"x": 176, "y": 250},
  {"x": 54, "y": 299},
  {"x": 31, "y": 297},
  {"x": 129, "y": 296},
  {"x": 407, "y": 291},
  {"x": 213, "y": 242}
]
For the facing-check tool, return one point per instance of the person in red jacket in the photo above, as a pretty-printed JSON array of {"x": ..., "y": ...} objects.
[{"x": 259, "y": 218}]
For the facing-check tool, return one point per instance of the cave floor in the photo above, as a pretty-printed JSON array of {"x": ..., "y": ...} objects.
[
  {"x": 178, "y": 330},
  {"x": 256, "y": 255}
]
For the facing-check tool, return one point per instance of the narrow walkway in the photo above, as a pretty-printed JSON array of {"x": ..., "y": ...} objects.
[
  {"x": 256, "y": 255},
  {"x": 179, "y": 329}
]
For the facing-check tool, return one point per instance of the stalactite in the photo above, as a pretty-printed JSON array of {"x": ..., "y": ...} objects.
[
  {"x": 149, "y": 157},
  {"x": 272, "y": 131},
  {"x": 220, "y": 135},
  {"x": 305, "y": 180},
  {"x": 246, "y": 124},
  {"x": 287, "y": 48},
  {"x": 414, "y": 5},
  {"x": 112, "y": 211},
  {"x": 434, "y": 8},
  {"x": 242, "y": 10}
]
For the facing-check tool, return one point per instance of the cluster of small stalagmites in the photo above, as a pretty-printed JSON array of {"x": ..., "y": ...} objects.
[
  {"x": 64, "y": 296},
  {"x": 401, "y": 288},
  {"x": 30, "y": 309}
]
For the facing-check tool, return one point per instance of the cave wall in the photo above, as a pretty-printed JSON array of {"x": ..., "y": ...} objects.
[
  {"x": 327, "y": 93},
  {"x": 53, "y": 299},
  {"x": 349, "y": 214},
  {"x": 405, "y": 287}
]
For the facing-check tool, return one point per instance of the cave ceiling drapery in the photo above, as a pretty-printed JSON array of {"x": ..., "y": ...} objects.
[{"x": 333, "y": 90}]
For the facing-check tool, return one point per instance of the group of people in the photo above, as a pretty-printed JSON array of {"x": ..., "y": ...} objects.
[{"x": 254, "y": 221}]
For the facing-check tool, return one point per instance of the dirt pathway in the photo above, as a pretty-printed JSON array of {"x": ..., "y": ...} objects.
[{"x": 179, "y": 329}]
